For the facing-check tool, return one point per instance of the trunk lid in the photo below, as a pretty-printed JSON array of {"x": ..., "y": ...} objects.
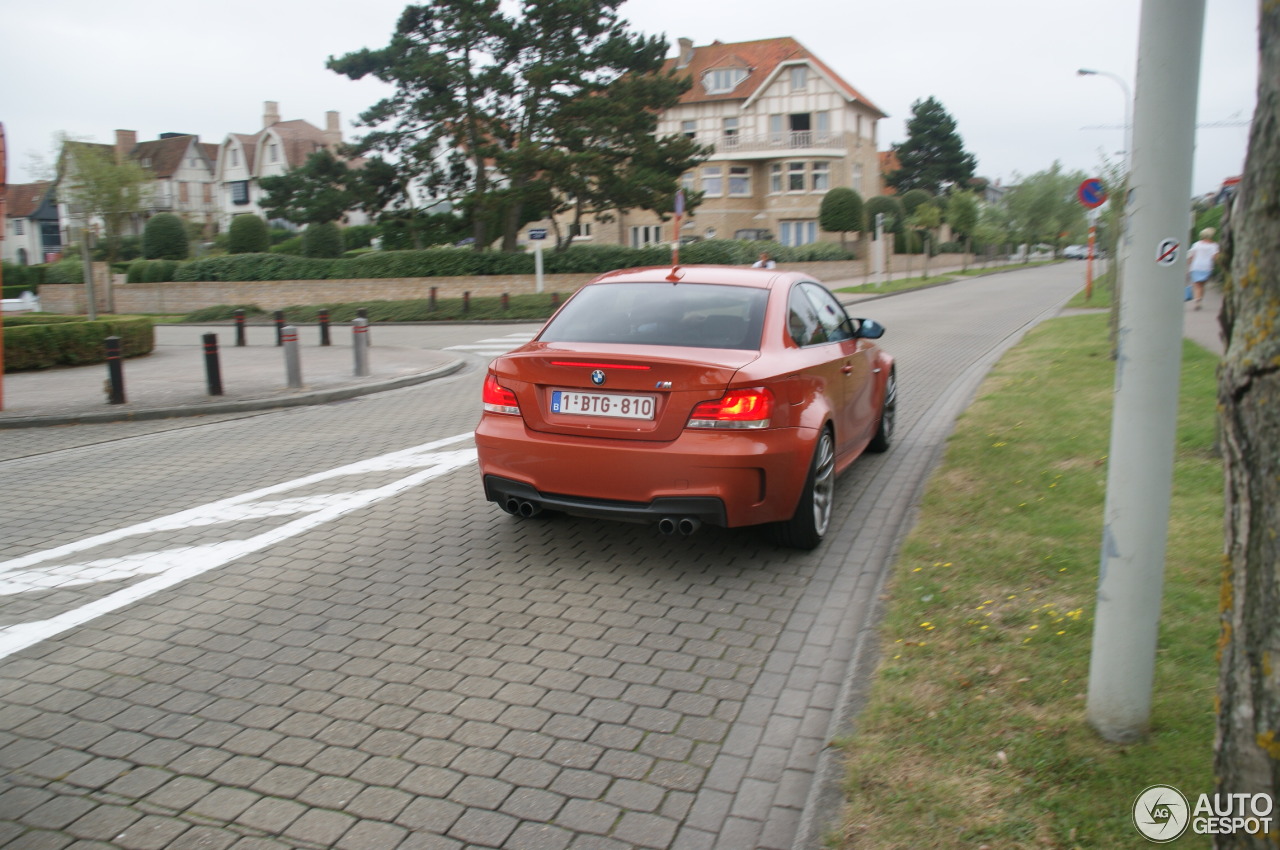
[{"x": 644, "y": 394}]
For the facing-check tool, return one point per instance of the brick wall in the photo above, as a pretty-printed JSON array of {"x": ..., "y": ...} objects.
[{"x": 179, "y": 298}]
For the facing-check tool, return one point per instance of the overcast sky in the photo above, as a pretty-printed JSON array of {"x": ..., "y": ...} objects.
[{"x": 1004, "y": 69}]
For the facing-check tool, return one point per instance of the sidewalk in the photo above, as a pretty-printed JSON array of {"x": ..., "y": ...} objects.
[{"x": 171, "y": 381}]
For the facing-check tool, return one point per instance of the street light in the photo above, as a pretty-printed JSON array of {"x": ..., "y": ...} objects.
[{"x": 1128, "y": 106}]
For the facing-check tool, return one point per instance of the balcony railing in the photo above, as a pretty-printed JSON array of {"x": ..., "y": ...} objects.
[{"x": 781, "y": 142}]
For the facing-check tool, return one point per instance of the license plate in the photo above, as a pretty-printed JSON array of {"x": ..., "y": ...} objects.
[{"x": 603, "y": 404}]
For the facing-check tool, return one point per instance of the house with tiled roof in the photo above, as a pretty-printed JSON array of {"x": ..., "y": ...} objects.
[
  {"x": 280, "y": 146},
  {"x": 31, "y": 233},
  {"x": 184, "y": 169},
  {"x": 182, "y": 172},
  {"x": 784, "y": 128}
]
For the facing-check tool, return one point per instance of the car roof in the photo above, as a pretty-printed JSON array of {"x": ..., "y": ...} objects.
[{"x": 723, "y": 275}]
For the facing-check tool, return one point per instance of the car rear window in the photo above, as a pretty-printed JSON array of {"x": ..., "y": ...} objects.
[{"x": 688, "y": 314}]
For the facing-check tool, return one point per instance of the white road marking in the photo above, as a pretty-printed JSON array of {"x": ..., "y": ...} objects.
[
  {"x": 495, "y": 346},
  {"x": 48, "y": 569}
]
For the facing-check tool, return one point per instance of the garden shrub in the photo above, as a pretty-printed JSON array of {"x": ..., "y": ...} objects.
[
  {"x": 20, "y": 279},
  {"x": 322, "y": 240},
  {"x": 359, "y": 236},
  {"x": 165, "y": 238},
  {"x": 249, "y": 234},
  {"x": 64, "y": 271},
  {"x": 65, "y": 341},
  {"x": 292, "y": 245},
  {"x": 159, "y": 271}
]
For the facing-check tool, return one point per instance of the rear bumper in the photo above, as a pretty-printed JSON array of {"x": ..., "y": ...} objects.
[
  {"x": 512, "y": 494},
  {"x": 720, "y": 478}
]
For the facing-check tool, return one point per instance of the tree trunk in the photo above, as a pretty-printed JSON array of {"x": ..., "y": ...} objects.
[{"x": 1247, "y": 750}]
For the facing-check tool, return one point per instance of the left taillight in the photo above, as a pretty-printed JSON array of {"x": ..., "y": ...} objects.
[
  {"x": 499, "y": 399},
  {"x": 749, "y": 408}
]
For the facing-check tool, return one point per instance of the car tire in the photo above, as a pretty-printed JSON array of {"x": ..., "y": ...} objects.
[
  {"x": 888, "y": 417},
  {"x": 809, "y": 524}
]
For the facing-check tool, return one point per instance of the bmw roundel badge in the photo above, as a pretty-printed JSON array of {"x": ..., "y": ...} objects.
[{"x": 597, "y": 377}]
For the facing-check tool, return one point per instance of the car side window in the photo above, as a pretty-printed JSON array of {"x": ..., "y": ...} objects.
[
  {"x": 835, "y": 322},
  {"x": 803, "y": 320}
]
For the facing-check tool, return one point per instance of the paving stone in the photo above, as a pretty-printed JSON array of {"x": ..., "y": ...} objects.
[{"x": 426, "y": 648}]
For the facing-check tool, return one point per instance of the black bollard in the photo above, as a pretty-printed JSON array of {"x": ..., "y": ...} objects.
[
  {"x": 555, "y": 299},
  {"x": 506, "y": 301},
  {"x": 466, "y": 302},
  {"x": 212, "y": 368},
  {"x": 240, "y": 343},
  {"x": 433, "y": 299},
  {"x": 279, "y": 318},
  {"x": 324, "y": 327},
  {"x": 115, "y": 371}
]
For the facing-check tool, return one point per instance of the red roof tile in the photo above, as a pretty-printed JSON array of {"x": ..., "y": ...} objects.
[
  {"x": 761, "y": 59},
  {"x": 23, "y": 199}
]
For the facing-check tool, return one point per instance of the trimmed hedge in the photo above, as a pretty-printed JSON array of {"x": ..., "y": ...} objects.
[
  {"x": 462, "y": 262},
  {"x": 151, "y": 271},
  {"x": 41, "y": 342}
]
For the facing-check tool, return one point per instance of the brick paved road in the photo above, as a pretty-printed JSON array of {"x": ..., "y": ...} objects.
[{"x": 213, "y": 639}]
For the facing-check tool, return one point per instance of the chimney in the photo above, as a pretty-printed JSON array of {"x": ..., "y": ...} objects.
[
  {"x": 332, "y": 130},
  {"x": 270, "y": 113},
  {"x": 686, "y": 52},
  {"x": 126, "y": 141}
]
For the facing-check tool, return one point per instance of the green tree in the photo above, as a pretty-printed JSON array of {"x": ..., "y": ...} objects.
[
  {"x": 96, "y": 185},
  {"x": 322, "y": 239},
  {"x": 559, "y": 101},
  {"x": 248, "y": 234},
  {"x": 165, "y": 238},
  {"x": 926, "y": 219},
  {"x": 962, "y": 215},
  {"x": 933, "y": 156},
  {"x": 913, "y": 198},
  {"x": 893, "y": 216},
  {"x": 992, "y": 231},
  {"x": 841, "y": 212},
  {"x": 318, "y": 192},
  {"x": 449, "y": 65},
  {"x": 1043, "y": 207}
]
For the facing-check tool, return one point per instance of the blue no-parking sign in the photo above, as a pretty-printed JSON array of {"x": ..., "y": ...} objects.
[{"x": 1091, "y": 193}]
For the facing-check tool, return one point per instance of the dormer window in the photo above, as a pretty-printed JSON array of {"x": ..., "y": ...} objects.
[{"x": 723, "y": 80}]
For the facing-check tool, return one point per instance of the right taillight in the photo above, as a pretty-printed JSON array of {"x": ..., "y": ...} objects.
[
  {"x": 499, "y": 399},
  {"x": 737, "y": 409}
]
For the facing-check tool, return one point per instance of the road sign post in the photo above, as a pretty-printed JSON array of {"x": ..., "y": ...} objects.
[
  {"x": 1092, "y": 194},
  {"x": 538, "y": 236}
]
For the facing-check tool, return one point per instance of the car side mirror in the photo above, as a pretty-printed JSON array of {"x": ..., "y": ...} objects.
[{"x": 869, "y": 329}]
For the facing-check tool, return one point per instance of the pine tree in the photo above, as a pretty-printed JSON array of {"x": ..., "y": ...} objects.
[{"x": 933, "y": 156}]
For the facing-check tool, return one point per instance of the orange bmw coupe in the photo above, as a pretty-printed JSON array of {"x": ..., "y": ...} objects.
[{"x": 699, "y": 394}]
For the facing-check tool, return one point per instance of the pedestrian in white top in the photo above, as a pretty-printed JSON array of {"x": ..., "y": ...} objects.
[{"x": 1201, "y": 259}]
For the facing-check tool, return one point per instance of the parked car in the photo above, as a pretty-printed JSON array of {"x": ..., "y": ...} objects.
[
  {"x": 1075, "y": 252},
  {"x": 701, "y": 394}
]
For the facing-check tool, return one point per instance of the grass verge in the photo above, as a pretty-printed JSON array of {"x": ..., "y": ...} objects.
[{"x": 974, "y": 735}]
